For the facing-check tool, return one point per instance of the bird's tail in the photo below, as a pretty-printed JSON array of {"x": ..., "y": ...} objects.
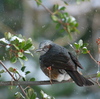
[{"x": 79, "y": 79}]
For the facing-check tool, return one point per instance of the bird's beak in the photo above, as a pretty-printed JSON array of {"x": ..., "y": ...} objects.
[{"x": 38, "y": 50}]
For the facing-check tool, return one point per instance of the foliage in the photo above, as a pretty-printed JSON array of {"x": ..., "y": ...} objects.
[
  {"x": 64, "y": 20},
  {"x": 16, "y": 46},
  {"x": 81, "y": 47},
  {"x": 30, "y": 94}
]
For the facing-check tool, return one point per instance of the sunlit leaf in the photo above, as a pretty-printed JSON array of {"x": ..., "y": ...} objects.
[
  {"x": 28, "y": 52},
  {"x": 76, "y": 45},
  {"x": 80, "y": 43},
  {"x": 31, "y": 94},
  {"x": 20, "y": 54},
  {"x": 84, "y": 50},
  {"x": 54, "y": 18},
  {"x": 8, "y": 35},
  {"x": 19, "y": 95},
  {"x": 98, "y": 74}
]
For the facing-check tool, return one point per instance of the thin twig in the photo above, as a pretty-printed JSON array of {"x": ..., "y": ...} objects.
[
  {"x": 13, "y": 78},
  {"x": 92, "y": 57},
  {"x": 7, "y": 70},
  {"x": 44, "y": 7}
]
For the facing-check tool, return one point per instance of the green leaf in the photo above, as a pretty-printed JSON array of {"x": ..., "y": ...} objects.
[
  {"x": 23, "y": 79},
  {"x": 55, "y": 7},
  {"x": 20, "y": 54},
  {"x": 84, "y": 50},
  {"x": 54, "y": 18},
  {"x": 27, "y": 46},
  {"x": 65, "y": 2},
  {"x": 58, "y": 25},
  {"x": 23, "y": 68},
  {"x": 24, "y": 58},
  {"x": 39, "y": 2},
  {"x": 12, "y": 70},
  {"x": 32, "y": 79},
  {"x": 66, "y": 14},
  {"x": 31, "y": 94},
  {"x": 21, "y": 44},
  {"x": 29, "y": 40},
  {"x": 8, "y": 35},
  {"x": 19, "y": 95},
  {"x": 13, "y": 59},
  {"x": 60, "y": 15},
  {"x": 76, "y": 45},
  {"x": 75, "y": 24},
  {"x": 98, "y": 74},
  {"x": 63, "y": 8},
  {"x": 27, "y": 72},
  {"x": 2, "y": 71}
]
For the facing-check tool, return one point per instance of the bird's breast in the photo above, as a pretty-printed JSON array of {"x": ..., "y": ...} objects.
[{"x": 56, "y": 74}]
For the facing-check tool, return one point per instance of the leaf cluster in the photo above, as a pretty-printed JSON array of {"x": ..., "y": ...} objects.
[
  {"x": 16, "y": 46},
  {"x": 81, "y": 47},
  {"x": 63, "y": 20}
]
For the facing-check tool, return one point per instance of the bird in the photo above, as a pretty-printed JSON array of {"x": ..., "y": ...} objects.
[{"x": 59, "y": 64}]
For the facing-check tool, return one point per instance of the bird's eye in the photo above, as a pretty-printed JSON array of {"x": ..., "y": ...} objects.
[{"x": 46, "y": 47}]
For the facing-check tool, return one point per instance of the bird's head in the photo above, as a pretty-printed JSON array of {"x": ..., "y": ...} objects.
[{"x": 44, "y": 46}]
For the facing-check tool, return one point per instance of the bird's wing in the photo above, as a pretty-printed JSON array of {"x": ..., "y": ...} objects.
[
  {"x": 75, "y": 60},
  {"x": 62, "y": 61}
]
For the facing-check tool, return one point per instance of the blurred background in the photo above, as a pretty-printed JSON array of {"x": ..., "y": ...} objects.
[{"x": 26, "y": 18}]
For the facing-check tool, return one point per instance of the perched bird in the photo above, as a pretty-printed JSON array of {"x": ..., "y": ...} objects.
[{"x": 59, "y": 64}]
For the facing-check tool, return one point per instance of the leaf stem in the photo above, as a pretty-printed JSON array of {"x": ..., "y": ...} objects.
[{"x": 44, "y": 7}]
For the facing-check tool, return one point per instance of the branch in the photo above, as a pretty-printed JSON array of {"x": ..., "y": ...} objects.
[
  {"x": 15, "y": 83},
  {"x": 13, "y": 78},
  {"x": 44, "y": 7},
  {"x": 7, "y": 70}
]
